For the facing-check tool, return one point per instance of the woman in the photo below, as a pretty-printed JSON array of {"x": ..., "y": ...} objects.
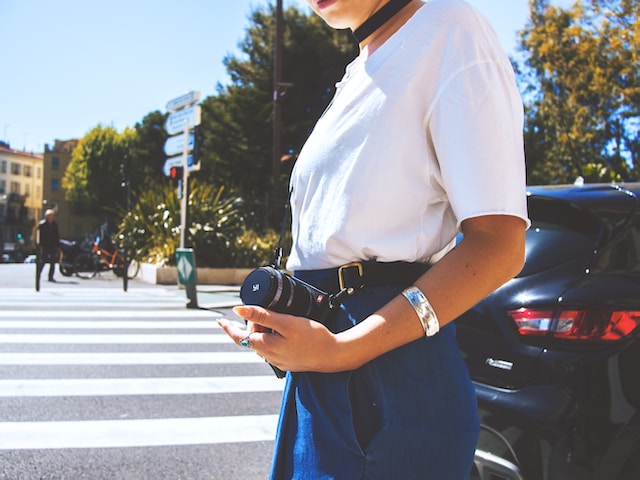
[{"x": 423, "y": 140}]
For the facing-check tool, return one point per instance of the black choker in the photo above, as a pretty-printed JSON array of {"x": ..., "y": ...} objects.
[{"x": 378, "y": 19}]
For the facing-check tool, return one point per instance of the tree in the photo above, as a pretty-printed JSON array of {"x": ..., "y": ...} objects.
[
  {"x": 146, "y": 156},
  {"x": 581, "y": 72},
  {"x": 104, "y": 160},
  {"x": 237, "y": 124},
  {"x": 93, "y": 180}
]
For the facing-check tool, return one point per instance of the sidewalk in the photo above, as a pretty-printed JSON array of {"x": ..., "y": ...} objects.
[{"x": 21, "y": 277}]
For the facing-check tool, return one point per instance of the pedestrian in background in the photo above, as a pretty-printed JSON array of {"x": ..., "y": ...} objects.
[
  {"x": 422, "y": 141},
  {"x": 48, "y": 244}
]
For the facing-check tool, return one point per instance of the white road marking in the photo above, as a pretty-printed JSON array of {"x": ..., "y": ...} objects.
[
  {"x": 177, "y": 314},
  {"x": 134, "y": 358},
  {"x": 74, "y": 387},
  {"x": 137, "y": 433},
  {"x": 113, "y": 338},
  {"x": 108, "y": 324}
]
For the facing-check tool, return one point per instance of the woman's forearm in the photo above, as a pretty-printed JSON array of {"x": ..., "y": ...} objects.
[{"x": 491, "y": 253}]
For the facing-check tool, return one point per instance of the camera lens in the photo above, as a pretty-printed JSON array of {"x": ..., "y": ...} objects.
[
  {"x": 261, "y": 287},
  {"x": 273, "y": 289}
]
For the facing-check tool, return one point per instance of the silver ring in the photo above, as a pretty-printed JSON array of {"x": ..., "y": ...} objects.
[{"x": 246, "y": 341}]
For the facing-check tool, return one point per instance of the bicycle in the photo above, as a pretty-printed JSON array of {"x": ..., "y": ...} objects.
[{"x": 87, "y": 265}]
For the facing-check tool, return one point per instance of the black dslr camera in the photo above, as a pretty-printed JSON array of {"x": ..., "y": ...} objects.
[{"x": 273, "y": 289}]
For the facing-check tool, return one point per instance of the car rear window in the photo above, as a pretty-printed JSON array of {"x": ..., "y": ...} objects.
[{"x": 560, "y": 231}]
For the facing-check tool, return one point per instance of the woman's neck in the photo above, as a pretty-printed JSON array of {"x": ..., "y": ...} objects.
[{"x": 382, "y": 33}]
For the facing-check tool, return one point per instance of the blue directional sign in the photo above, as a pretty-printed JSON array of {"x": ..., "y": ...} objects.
[
  {"x": 177, "y": 120},
  {"x": 175, "y": 145},
  {"x": 177, "y": 161},
  {"x": 183, "y": 100}
]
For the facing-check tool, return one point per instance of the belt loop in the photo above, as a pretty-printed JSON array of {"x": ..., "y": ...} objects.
[{"x": 346, "y": 283}]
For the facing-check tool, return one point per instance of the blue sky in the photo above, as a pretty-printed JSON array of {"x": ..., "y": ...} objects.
[{"x": 68, "y": 65}]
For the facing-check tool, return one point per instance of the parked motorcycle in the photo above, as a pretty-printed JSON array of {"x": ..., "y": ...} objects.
[{"x": 70, "y": 250}]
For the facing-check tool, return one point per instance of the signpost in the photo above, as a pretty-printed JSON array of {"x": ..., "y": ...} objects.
[
  {"x": 174, "y": 145},
  {"x": 185, "y": 100},
  {"x": 177, "y": 121},
  {"x": 183, "y": 116},
  {"x": 187, "y": 276},
  {"x": 178, "y": 161}
]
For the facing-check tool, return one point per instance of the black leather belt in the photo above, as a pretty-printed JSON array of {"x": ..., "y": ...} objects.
[{"x": 356, "y": 275}]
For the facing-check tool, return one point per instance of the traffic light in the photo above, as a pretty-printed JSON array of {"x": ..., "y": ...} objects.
[
  {"x": 176, "y": 174},
  {"x": 123, "y": 175}
]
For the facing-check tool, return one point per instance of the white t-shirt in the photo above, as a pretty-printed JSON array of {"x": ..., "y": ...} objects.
[{"x": 422, "y": 134}]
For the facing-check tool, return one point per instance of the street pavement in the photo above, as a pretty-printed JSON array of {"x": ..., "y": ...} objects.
[{"x": 101, "y": 383}]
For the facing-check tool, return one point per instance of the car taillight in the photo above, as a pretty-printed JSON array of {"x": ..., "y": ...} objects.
[{"x": 585, "y": 325}]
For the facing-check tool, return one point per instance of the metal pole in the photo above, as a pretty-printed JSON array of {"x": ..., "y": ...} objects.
[
  {"x": 125, "y": 252},
  {"x": 39, "y": 269},
  {"x": 277, "y": 116},
  {"x": 185, "y": 185}
]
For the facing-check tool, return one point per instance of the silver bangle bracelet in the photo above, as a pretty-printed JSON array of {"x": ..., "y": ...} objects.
[{"x": 424, "y": 310}]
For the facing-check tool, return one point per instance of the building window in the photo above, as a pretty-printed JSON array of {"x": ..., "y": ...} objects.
[
  {"x": 55, "y": 185},
  {"x": 55, "y": 163},
  {"x": 15, "y": 187},
  {"x": 27, "y": 189},
  {"x": 38, "y": 192},
  {"x": 3, "y": 186},
  {"x": 16, "y": 168},
  {"x": 3, "y": 167},
  {"x": 38, "y": 173},
  {"x": 27, "y": 170}
]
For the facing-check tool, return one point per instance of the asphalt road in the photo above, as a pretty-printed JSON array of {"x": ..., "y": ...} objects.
[{"x": 99, "y": 383}]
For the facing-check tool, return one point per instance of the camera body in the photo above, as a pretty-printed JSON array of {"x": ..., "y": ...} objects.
[{"x": 274, "y": 289}]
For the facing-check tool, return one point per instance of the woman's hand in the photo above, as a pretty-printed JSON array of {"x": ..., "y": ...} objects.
[{"x": 290, "y": 343}]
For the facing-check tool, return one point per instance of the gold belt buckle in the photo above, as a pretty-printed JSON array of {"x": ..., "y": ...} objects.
[{"x": 341, "y": 269}]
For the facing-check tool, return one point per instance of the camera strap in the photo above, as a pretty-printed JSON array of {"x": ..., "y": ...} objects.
[{"x": 277, "y": 252}]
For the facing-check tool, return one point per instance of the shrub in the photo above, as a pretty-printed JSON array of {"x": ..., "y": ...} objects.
[{"x": 150, "y": 231}]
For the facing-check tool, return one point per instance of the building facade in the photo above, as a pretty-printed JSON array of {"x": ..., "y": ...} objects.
[
  {"x": 55, "y": 163},
  {"x": 21, "y": 200}
]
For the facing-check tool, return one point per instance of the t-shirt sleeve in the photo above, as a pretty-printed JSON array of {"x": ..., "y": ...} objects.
[{"x": 476, "y": 128}]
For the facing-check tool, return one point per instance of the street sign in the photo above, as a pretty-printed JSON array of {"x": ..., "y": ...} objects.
[
  {"x": 183, "y": 116},
  {"x": 187, "y": 274},
  {"x": 176, "y": 121},
  {"x": 177, "y": 162},
  {"x": 183, "y": 100},
  {"x": 175, "y": 145}
]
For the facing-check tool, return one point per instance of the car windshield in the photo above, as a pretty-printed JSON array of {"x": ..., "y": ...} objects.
[{"x": 560, "y": 231}]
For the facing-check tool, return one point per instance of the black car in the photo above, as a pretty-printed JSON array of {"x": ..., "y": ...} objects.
[{"x": 555, "y": 353}]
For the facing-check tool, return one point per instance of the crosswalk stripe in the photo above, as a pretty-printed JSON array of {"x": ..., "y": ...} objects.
[
  {"x": 186, "y": 313},
  {"x": 137, "y": 433},
  {"x": 113, "y": 338},
  {"x": 134, "y": 358},
  {"x": 138, "y": 386},
  {"x": 108, "y": 324},
  {"x": 98, "y": 304}
]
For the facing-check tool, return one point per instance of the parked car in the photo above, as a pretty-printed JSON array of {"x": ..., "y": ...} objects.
[{"x": 555, "y": 353}]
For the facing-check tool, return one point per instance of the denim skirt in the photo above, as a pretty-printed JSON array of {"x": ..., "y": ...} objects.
[{"x": 408, "y": 414}]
